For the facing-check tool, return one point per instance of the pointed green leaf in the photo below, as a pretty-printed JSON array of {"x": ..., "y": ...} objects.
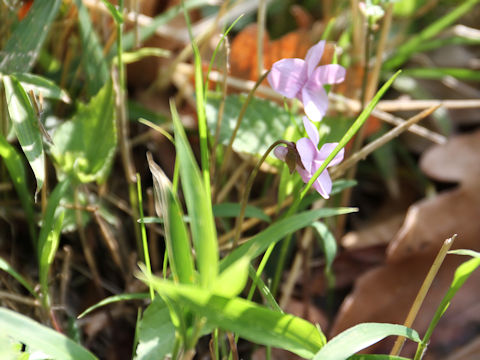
[
  {"x": 233, "y": 209},
  {"x": 23, "y": 46},
  {"x": 16, "y": 170},
  {"x": 40, "y": 337},
  {"x": 199, "y": 206},
  {"x": 176, "y": 236},
  {"x": 5, "y": 266},
  {"x": 157, "y": 333},
  {"x": 113, "y": 299},
  {"x": 245, "y": 318},
  {"x": 359, "y": 337},
  {"x": 85, "y": 146},
  {"x": 275, "y": 232},
  {"x": 25, "y": 124},
  {"x": 41, "y": 85}
]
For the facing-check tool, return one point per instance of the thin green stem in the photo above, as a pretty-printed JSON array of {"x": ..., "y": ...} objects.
[{"x": 144, "y": 234}]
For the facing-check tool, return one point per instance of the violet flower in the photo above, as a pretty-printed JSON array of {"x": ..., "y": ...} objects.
[
  {"x": 309, "y": 158},
  {"x": 302, "y": 79}
]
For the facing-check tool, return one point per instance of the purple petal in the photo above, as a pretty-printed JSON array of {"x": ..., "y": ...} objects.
[
  {"x": 315, "y": 103},
  {"x": 307, "y": 151},
  {"x": 280, "y": 152},
  {"x": 326, "y": 74},
  {"x": 326, "y": 150},
  {"x": 306, "y": 176},
  {"x": 288, "y": 76},
  {"x": 312, "y": 131},
  {"x": 323, "y": 184},
  {"x": 313, "y": 57}
]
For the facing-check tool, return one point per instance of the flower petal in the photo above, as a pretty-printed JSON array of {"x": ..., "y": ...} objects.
[
  {"x": 323, "y": 184},
  {"x": 280, "y": 152},
  {"x": 307, "y": 151},
  {"x": 315, "y": 103},
  {"x": 288, "y": 76},
  {"x": 326, "y": 149},
  {"x": 312, "y": 131},
  {"x": 326, "y": 74},
  {"x": 313, "y": 57}
]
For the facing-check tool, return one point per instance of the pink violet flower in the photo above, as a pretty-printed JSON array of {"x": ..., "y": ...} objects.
[
  {"x": 309, "y": 158},
  {"x": 302, "y": 79}
]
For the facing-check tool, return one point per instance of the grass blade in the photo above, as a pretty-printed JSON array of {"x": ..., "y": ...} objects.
[
  {"x": 199, "y": 206},
  {"x": 113, "y": 299},
  {"x": 5, "y": 266},
  {"x": 23, "y": 46},
  {"x": 40, "y": 85},
  {"x": 40, "y": 337},
  {"x": 233, "y": 209},
  {"x": 176, "y": 236},
  {"x": 25, "y": 124},
  {"x": 359, "y": 337},
  {"x": 14, "y": 163}
]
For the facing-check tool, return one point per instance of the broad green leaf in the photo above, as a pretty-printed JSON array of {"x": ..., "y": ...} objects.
[
  {"x": 96, "y": 68},
  {"x": 85, "y": 146},
  {"x": 275, "y": 232},
  {"x": 5, "y": 266},
  {"x": 25, "y": 124},
  {"x": 233, "y": 279},
  {"x": 41, "y": 85},
  {"x": 177, "y": 240},
  {"x": 233, "y": 209},
  {"x": 22, "y": 48},
  {"x": 462, "y": 273},
  {"x": 411, "y": 46},
  {"x": 113, "y": 299},
  {"x": 156, "y": 332},
  {"x": 16, "y": 169},
  {"x": 359, "y": 337},
  {"x": 40, "y": 337},
  {"x": 245, "y": 318},
  {"x": 264, "y": 123},
  {"x": 10, "y": 349},
  {"x": 376, "y": 357},
  {"x": 199, "y": 206}
]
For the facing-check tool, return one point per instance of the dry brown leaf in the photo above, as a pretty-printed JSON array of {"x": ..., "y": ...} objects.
[
  {"x": 430, "y": 221},
  {"x": 456, "y": 161},
  {"x": 386, "y": 293}
]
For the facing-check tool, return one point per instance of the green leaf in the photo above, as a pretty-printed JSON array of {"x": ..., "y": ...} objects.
[
  {"x": 264, "y": 123},
  {"x": 134, "y": 56},
  {"x": 328, "y": 243},
  {"x": 177, "y": 240},
  {"x": 116, "y": 14},
  {"x": 23, "y": 46},
  {"x": 245, "y": 318},
  {"x": 47, "y": 254},
  {"x": 16, "y": 169},
  {"x": 113, "y": 299},
  {"x": 277, "y": 231},
  {"x": 462, "y": 273},
  {"x": 199, "y": 206},
  {"x": 440, "y": 73},
  {"x": 233, "y": 209},
  {"x": 376, "y": 357},
  {"x": 411, "y": 46},
  {"x": 85, "y": 146},
  {"x": 5, "y": 266},
  {"x": 96, "y": 68},
  {"x": 359, "y": 337},
  {"x": 156, "y": 333},
  {"x": 233, "y": 279},
  {"x": 40, "y": 337},
  {"x": 25, "y": 124},
  {"x": 40, "y": 85},
  {"x": 466, "y": 252}
]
